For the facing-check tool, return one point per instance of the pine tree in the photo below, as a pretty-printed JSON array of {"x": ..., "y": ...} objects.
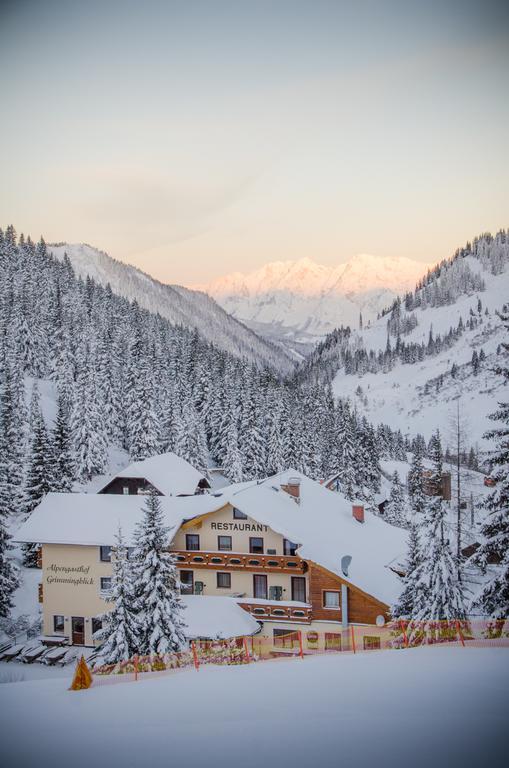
[
  {"x": 121, "y": 626},
  {"x": 395, "y": 509},
  {"x": 412, "y": 596},
  {"x": 39, "y": 477},
  {"x": 8, "y": 570},
  {"x": 438, "y": 573},
  {"x": 156, "y": 585},
  {"x": 493, "y": 598},
  {"x": 63, "y": 463},
  {"x": 415, "y": 481}
]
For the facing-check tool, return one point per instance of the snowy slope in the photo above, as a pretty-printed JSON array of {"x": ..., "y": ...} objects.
[
  {"x": 439, "y": 705},
  {"x": 399, "y": 397},
  {"x": 180, "y": 305},
  {"x": 298, "y": 302}
]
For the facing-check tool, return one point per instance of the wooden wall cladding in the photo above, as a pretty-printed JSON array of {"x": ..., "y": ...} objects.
[{"x": 362, "y": 608}]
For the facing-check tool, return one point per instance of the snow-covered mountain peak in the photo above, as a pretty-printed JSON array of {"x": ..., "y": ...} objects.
[{"x": 298, "y": 302}]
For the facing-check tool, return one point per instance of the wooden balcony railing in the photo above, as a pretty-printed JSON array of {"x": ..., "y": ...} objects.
[
  {"x": 237, "y": 562},
  {"x": 275, "y": 612}
]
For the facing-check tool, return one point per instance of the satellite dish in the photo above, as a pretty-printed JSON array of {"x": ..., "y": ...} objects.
[
  {"x": 380, "y": 620},
  {"x": 345, "y": 564}
]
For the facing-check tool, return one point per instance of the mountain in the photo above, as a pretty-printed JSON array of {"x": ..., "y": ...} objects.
[
  {"x": 435, "y": 346},
  {"x": 182, "y": 306},
  {"x": 296, "y": 303}
]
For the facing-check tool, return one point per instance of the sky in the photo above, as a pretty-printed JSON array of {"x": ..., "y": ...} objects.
[{"x": 197, "y": 138}]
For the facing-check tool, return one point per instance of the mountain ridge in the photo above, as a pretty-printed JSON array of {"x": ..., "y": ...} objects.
[
  {"x": 296, "y": 303},
  {"x": 179, "y": 304}
]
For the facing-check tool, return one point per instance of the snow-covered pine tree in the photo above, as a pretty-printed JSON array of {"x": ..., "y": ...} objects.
[
  {"x": 191, "y": 443},
  {"x": 87, "y": 425},
  {"x": 232, "y": 458},
  {"x": 8, "y": 570},
  {"x": 413, "y": 595},
  {"x": 120, "y": 631},
  {"x": 63, "y": 462},
  {"x": 395, "y": 511},
  {"x": 156, "y": 585},
  {"x": 39, "y": 471},
  {"x": 415, "y": 481},
  {"x": 493, "y": 598},
  {"x": 438, "y": 573}
]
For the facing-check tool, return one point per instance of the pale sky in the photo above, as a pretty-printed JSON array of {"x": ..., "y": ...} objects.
[{"x": 192, "y": 139}]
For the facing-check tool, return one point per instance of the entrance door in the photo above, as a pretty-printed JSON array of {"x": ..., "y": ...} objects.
[
  {"x": 78, "y": 630},
  {"x": 260, "y": 586},
  {"x": 299, "y": 588}
]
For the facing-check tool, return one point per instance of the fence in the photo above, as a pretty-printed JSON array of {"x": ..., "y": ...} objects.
[{"x": 478, "y": 633}]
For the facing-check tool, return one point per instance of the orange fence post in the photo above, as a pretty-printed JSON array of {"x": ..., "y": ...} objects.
[
  {"x": 353, "y": 637},
  {"x": 195, "y": 657},
  {"x": 301, "y": 651},
  {"x": 135, "y": 668},
  {"x": 246, "y": 649},
  {"x": 460, "y": 633},
  {"x": 405, "y": 637}
]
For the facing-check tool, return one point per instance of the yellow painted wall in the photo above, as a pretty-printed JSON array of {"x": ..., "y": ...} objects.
[
  {"x": 222, "y": 523},
  {"x": 71, "y": 579}
]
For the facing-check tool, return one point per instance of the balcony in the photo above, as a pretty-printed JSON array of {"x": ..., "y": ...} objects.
[
  {"x": 265, "y": 610},
  {"x": 238, "y": 562}
]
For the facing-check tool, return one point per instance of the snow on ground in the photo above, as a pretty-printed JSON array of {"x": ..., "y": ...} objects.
[
  {"x": 398, "y": 397},
  {"x": 422, "y": 707}
]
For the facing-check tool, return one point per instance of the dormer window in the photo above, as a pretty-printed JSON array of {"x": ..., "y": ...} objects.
[
  {"x": 289, "y": 548},
  {"x": 125, "y": 490}
]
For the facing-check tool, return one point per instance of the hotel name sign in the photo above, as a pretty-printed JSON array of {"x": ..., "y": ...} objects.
[
  {"x": 253, "y": 527},
  {"x": 75, "y": 575}
]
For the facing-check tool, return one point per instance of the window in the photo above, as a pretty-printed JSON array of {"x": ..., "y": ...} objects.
[
  {"x": 96, "y": 625},
  {"x": 332, "y": 641},
  {"x": 271, "y": 552},
  {"x": 371, "y": 643},
  {"x": 299, "y": 589},
  {"x": 224, "y": 580},
  {"x": 192, "y": 541},
  {"x": 260, "y": 586},
  {"x": 105, "y": 554},
  {"x": 224, "y": 543},
  {"x": 58, "y": 623},
  {"x": 238, "y": 515},
  {"x": 105, "y": 583},
  {"x": 256, "y": 545},
  {"x": 289, "y": 548},
  {"x": 125, "y": 490},
  {"x": 284, "y": 638},
  {"x": 186, "y": 582},
  {"x": 130, "y": 552},
  {"x": 331, "y": 600}
]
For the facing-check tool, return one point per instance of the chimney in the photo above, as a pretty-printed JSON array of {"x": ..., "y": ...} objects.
[
  {"x": 358, "y": 512},
  {"x": 293, "y": 488}
]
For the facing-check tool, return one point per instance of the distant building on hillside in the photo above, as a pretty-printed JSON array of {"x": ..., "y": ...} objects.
[{"x": 442, "y": 489}]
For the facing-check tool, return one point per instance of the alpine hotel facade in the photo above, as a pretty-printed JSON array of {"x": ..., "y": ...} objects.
[{"x": 223, "y": 547}]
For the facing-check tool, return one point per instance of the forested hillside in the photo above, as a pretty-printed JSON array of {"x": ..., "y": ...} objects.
[
  {"x": 433, "y": 345},
  {"x": 179, "y": 305},
  {"x": 122, "y": 376}
]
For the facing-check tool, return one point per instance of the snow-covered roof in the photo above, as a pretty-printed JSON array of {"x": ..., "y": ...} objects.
[
  {"x": 216, "y": 617},
  {"x": 93, "y": 519},
  {"x": 323, "y": 525},
  {"x": 167, "y": 472}
]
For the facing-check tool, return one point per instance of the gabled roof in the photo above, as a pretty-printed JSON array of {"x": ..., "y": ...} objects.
[
  {"x": 323, "y": 525},
  {"x": 93, "y": 519},
  {"x": 167, "y": 472}
]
